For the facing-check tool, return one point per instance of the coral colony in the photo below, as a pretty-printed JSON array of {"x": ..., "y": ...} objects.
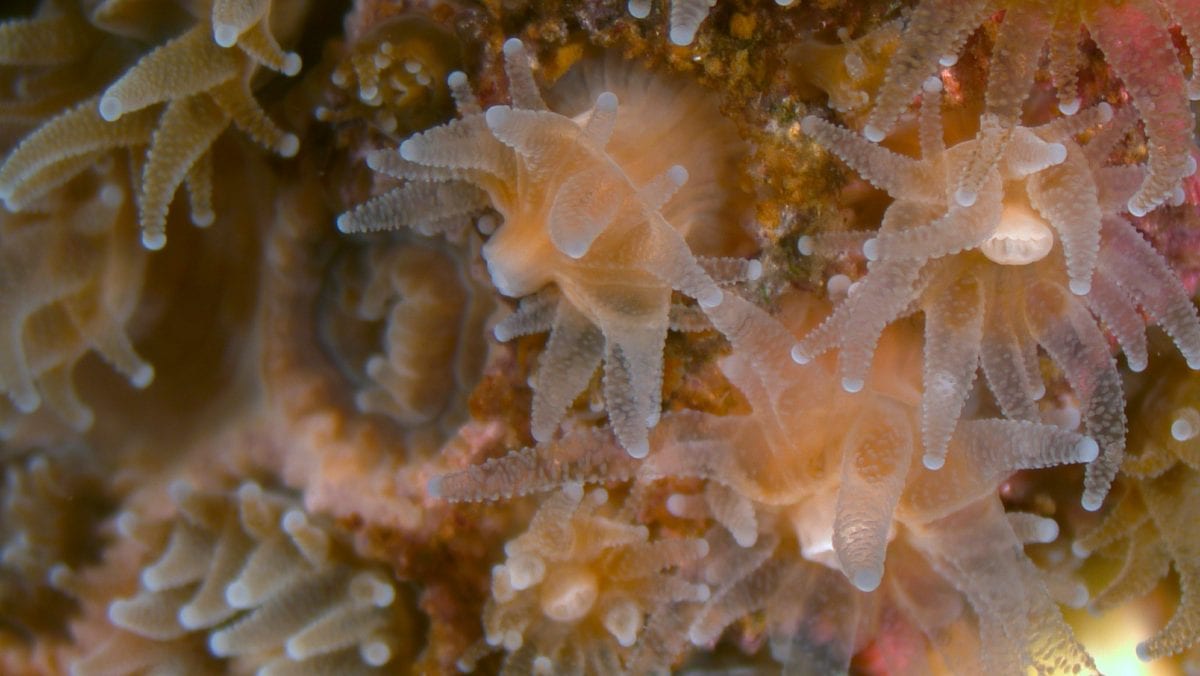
[{"x": 599, "y": 337}]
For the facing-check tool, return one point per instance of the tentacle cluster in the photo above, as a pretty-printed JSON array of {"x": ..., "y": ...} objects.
[
  {"x": 1022, "y": 260},
  {"x": 1134, "y": 37},
  {"x": 595, "y": 233},
  {"x": 252, "y": 577},
  {"x": 167, "y": 109}
]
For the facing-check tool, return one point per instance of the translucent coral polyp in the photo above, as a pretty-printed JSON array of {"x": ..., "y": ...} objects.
[
  {"x": 1003, "y": 269},
  {"x": 1133, "y": 35},
  {"x": 595, "y": 233}
]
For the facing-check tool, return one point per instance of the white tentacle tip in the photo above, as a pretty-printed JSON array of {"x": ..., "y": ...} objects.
[
  {"x": 868, "y": 579},
  {"x": 933, "y": 462},
  {"x": 873, "y": 134},
  {"x": 1069, "y": 107},
  {"x": 1143, "y": 652},
  {"x": 224, "y": 34},
  {"x": 965, "y": 197},
  {"x": 154, "y": 240},
  {"x": 110, "y": 108},
  {"x": 456, "y": 79},
  {"x": 638, "y": 449},
  {"x": 434, "y": 487},
  {"x": 1058, "y": 153},
  {"x": 852, "y": 385},
  {"x": 678, "y": 174},
  {"x": 639, "y": 9},
  {"x": 495, "y": 116},
  {"x": 513, "y": 47},
  {"x": 1080, "y": 287},
  {"x": 682, "y": 35},
  {"x": 754, "y": 270},
  {"x": 1136, "y": 208},
  {"x": 408, "y": 150},
  {"x": 289, "y": 145},
  {"x": 1106, "y": 111},
  {"x": 711, "y": 298},
  {"x": 1087, "y": 450},
  {"x": 806, "y": 245},
  {"x": 292, "y": 64},
  {"x": 1091, "y": 502},
  {"x": 345, "y": 223},
  {"x": 799, "y": 356},
  {"x": 870, "y": 249},
  {"x": 142, "y": 376},
  {"x": 606, "y": 101}
]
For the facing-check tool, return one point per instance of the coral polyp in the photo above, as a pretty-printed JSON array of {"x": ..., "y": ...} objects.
[
  {"x": 1004, "y": 269},
  {"x": 598, "y": 336},
  {"x": 580, "y": 200}
]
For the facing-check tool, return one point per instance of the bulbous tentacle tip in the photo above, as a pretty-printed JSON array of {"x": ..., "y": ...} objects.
[
  {"x": 606, "y": 101},
  {"x": 292, "y": 63},
  {"x": 638, "y": 449},
  {"x": 502, "y": 334},
  {"x": 289, "y": 145},
  {"x": 345, "y": 223},
  {"x": 1191, "y": 166},
  {"x": 1069, "y": 107},
  {"x": 870, "y": 249},
  {"x": 868, "y": 579},
  {"x": 754, "y": 270},
  {"x": 142, "y": 377},
  {"x": 682, "y": 36},
  {"x": 948, "y": 60},
  {"x": 806, "y": 245},
  {"x": 203, "y": 219},
  {"x": 799, "y": 356},
  {"x": 495, "y": 116},
  {"x": 1137, "y": 208},
  {"x": 852, "y": 385},
  {"x": 965, "y": 197},
  {"x": 457, "y": 79},
  {"x": 1086, "y": 449},
  {"x": 809, "y": 124},
  {"x": 224, "y": 34},
  {"x": 1047, "y": 531},
  {"x": 1091, "y": 502},
  {"x": 932, "y": 84},
  {"x": 111, "y": 108},
  {"x": 408, "y": 150},
  {"x": 1079, "y": 551},
  {"x": 154, "y": 240},
  {"x": 1106, "y": 111},
  {"x": 1135, "y": 365},
  {"x": 933, "y": 461},
  {"x": 638, "y": 9},
  {"x": 434, "y": 487},
  {"x": 711, "y": 298},
  {"x": 1058, "y": 153},
  {"x": 513, "y": 47},
  {"x": 26, "y": 402},
  {"x": 1143, "y": 652},
  {"x": 678, "y": 174},
  {"x": 873, "y": 134},
  {"x": 1080, "y": 287}
]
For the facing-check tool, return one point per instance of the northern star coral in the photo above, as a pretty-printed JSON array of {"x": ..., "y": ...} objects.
[
  {"x": 594, "y": 227},
  {"x": 583, "y": 590},
  {"x": 69, "y": 285},
  {"x": 175, "y": 101},
  {"x": 1136, "y": 41},
  {"x": 991, "y": 272},
  {"x": 258, "y": 580},
  {"x": 1149, "y": 526}
]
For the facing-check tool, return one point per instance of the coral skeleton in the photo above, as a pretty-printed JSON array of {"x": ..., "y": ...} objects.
[
  {"x": 589, "y": 238},
  {"x": 1000, "y": 271},
  {"x": 1133, "y": 35},
  {"x": 262, "y": 582}
]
